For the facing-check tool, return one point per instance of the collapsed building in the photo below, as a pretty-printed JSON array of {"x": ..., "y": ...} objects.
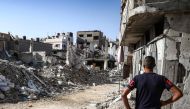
[
  {"x": 96, "y": 49},
  {"x": 31, "y": 51},
  {"x": 28, "y": 51},
  {"x": 59, "y": 44},
  {"x": 112, "y": 51},
  {"x": 159, "y": 28},
  {"x": 5, "y": 40},
  {"x": 24, "y": 76}
]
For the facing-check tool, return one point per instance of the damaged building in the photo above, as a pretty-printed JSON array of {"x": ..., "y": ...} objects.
[
  {"x": 59, "y": 43},
  {"x": 30, "y": 51},
  {"x": 60, "y": 40},
  {"x": 112, "y": 49},
  {"x": 5, "y": 40},
  {"x": 96, "y": 48},
  {"x": 90, "y": 39},
  {"x": 159, "y": 28}
]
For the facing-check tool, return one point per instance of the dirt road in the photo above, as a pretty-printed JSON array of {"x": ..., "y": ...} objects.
[{"x": 85, "y": 99}]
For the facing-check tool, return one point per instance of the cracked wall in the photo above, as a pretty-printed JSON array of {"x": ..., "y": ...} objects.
[{"x": 172, "y": 54}]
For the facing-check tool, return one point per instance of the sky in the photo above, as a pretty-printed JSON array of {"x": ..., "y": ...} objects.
[{"x": 39, "y": 18}]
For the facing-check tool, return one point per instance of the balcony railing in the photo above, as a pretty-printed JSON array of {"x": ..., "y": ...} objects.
[
  {"x": 164, "y": 5},
  {"x": 150, "y": 2}
]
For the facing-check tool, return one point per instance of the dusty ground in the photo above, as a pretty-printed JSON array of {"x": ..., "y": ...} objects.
[{"x": 85, "y": 99}]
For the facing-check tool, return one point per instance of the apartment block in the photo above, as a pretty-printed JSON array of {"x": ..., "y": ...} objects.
[
  {"x": 159, "y": 28},
  {"x": 91, "y": 39},
  {"x": 60, "y": 40}
]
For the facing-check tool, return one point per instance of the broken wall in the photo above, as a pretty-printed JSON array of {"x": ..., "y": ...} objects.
[
  {"x": 24, "y": 46},
  {"x": 39, "y": 46},
  {"x": 26, "y": 57},
  {"x": 184, "y": 60},
  {"x": 1, "y": 45},
  {"x": 178, "y": 42},
  {"x": 172, "y": 53},
  {"x": 39, "y": 56},
  {"x": 184, "y": 102},
  {"x": 4, "y": 39},
  {"x": 170, "y": 49}
]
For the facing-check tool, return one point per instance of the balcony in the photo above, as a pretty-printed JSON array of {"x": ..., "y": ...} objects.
[
  {"x": 143, "y": 14},
  {"x": 96, "y": 55},
  {"x": 164, "y": 5}
]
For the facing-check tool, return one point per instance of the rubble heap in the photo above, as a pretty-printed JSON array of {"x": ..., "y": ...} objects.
[
  {"x": 115, "y": 74},
  {"x": 80, "y": 76},
  {"x": 20, "y": 83}
]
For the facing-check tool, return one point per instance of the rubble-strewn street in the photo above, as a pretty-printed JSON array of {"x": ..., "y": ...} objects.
[
  {"x": 94, "y": 97},
  {"x": 34, "y": 76},
  {"x": 19, "y": 83},
  {"x": 81, "y": 54},
  {"x": 56, "y": 87}
]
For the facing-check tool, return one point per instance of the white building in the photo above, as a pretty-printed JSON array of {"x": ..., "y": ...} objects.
[{"x": 60, "y": 40}]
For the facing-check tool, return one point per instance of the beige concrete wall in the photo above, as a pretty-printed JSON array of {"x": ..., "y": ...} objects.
[
  {"x": 24, "y": 46},
  {"x": 100, "y": 42}
]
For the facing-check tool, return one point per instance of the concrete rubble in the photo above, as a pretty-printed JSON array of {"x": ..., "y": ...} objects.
[
  {"x": 185, "y": 101},
  {"x": 31, "y": 69},
  {"x": 19, "y": 82}
]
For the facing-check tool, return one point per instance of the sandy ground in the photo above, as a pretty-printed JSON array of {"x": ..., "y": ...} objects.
[{"x": 85, "y": 99}]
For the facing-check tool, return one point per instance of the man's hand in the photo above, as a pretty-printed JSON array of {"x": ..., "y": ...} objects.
[
  {"x": 125, "y": 92},
  {"x": 177, "y": 94},
  {"x": 163, "y": 103}
]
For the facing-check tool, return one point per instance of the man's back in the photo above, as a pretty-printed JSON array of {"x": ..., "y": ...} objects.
[
  {"x": 150, "y": 87},
  {"x": 149, "y": 90}
]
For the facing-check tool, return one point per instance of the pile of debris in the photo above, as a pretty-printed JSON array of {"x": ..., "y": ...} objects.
[
  {"x": 115, "y": 74},
  {"x": 81, "y": 76},
  {"x": 20, "y": 83}
]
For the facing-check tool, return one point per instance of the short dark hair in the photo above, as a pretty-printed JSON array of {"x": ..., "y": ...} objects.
[{"x": 149, "y": 62}]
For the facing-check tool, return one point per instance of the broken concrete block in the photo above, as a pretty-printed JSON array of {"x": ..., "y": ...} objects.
[{"x": 2, "y": 96}]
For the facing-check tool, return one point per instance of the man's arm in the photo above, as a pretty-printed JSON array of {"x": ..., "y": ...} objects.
[
  {"x": 177, "y": 94},
  {"x": 125, "y": 99}
]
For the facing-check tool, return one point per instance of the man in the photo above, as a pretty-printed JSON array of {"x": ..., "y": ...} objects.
[{"x": 150, "y": 87}]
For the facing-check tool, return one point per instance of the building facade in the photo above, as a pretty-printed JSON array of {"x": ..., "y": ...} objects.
[
  {"x": 90, "y": 39},
  {"x": 159, "y": 28},
  {"x": 60, "y": 40},
  {"x": 98, "y": 51}
]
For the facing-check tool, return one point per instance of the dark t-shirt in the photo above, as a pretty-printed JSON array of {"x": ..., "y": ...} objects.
[{"x": 149, "y": 89}]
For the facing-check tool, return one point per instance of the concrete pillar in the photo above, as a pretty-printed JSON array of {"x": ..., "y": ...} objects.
[
  {"x": 106, "y": 55},
  {"x": 105, "y": 64},
  {"x": 31, "y": 46},
  {"x": 4, "y": 45},
  {"x": 4, "y": 42},
  {"x": 68, "y": 55}
]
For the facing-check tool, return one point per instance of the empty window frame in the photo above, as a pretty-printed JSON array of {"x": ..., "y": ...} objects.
[
  {"x": 57, "y": 45},
  {"x": 96, "y": 37},
  {"x": 88, "y": 43},
  {"x": 89, "y": 35},
  {"x": 159, "y": 27},
  {"x": 81, "y": 35}
]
